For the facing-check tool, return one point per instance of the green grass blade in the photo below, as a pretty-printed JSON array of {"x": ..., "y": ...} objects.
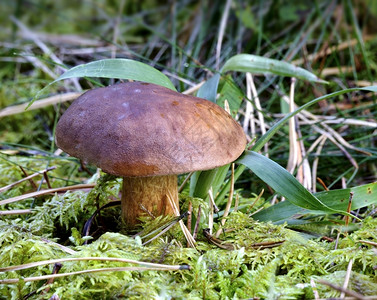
[
  {"x": 119, "y": 68},
  {"x": 259, "y": 64},
  {"x": 208, "y": 90},
  {"x": 280, "y": 212},
  {"x": 363, "y": 195},
  {"x": 204, "y": 183},
  {"x": 270, "y": 133},
  {"x": 282, "y": 181},
  {"x": 115, "y": 68}
]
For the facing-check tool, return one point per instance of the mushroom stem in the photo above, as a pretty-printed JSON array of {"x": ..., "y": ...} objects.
[{"x": 148, "y": 195}]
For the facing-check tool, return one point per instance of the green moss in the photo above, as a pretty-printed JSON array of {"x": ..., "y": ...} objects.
[{"x": 282, "y": 272}]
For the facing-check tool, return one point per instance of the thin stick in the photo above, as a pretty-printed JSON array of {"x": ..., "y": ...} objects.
[
  {"x": 374, "y": 244},
  {"x": 116, "y": 28},
  {"x": 340, "y": 289},
  {"x": 212, "y": 200},
  {"x": 196, "y": 228},
  {"x": 249, "y": 114},
  {"x": 236, "y": 202},
  {"x": 47, "y": 180},
  {"x": 191, "y": 241},
  {"x": 347, "y": 278},
  {"x": 328, "y": 51},
  {"x": 223, "y": 21},
  {"x": 167, "y": 228},
  {"x": 258, "y": 107},
  {"x": 256, "y": 200},
  {"x": 347, "y": 218},
  {"x": 55, "y": 270},
  {"x": 322, "y": 140},
  {"x": 226, "y": 106},
  {"x": 211, "y": 208},
  {"x": 17, "y": 109},
  {"x": 189, "y": 217},
  {"x": 184, "y": 182},
  {"x": 314, "y": 288},
  {"x": 293, "y": 146},
  {"x": 322, "y": 183},
  {"x": 60, "y": 260},
  {"x": 303, "y": 169},
  {"x": 118, "y": 269},
  {"x": 229, "y": 203},
  {"x": 44, "y": 48},
  {"x": 194, "y": 88},
  {"x": 15, "y": 212},
  {"x": 32, "y": 183},
  {"x": 61, "y": 247},
  {"x": 329, "y": 132},
  {"x": 45, "y": 192}
]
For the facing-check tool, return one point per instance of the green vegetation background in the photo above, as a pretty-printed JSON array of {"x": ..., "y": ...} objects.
[{"x": 180, "y": 38}]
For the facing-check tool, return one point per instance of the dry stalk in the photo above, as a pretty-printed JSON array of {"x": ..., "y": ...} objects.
[
  {"x": 189, "y": 218},
  {"x": 347, "y": 278},
  {"x": 249, "y": 114},
  {"x": 321, "y": 141},
  {"x": 9, "y": 186},
  {"x": 190, "y": 240},
  {"x": 223, "y": 21},
  {"x": 31, "y": 35},
  {"x": 293, "y": 145},
  {"x": 15, "y": 212},
  {"x": 17, "y": 109},
  {"x": 314, "y": 288},
  {"x": 116, "y": 269},
  {"x": 258, "y": 107},
  {"x": 211, "y": 210},
  {"x": 329, "y": 51},
  {"x": 196, "y": 228},
  {"x": 45, "y": 192},
  {"x": 228, "y": 204},
  {"x": 304, "y": 174},
  {"x": 256, "y": 200},
  {"x": 193, "y": 89},
  {"x": 184, "y": 182},
  {"x": 340, "y": 289}
]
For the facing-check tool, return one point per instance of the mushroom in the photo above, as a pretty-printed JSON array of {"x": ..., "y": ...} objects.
[{"x": 148, "y": 134}]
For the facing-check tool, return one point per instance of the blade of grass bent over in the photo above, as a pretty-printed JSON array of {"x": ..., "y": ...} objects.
[
  {"x": 283, "y": 182},
  {"x": 259, "y": 64},
  {"x": 363, "y": 195}
]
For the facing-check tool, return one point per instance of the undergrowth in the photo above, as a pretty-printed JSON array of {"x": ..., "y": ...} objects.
[
  {"x": 282, "y": 272},
  {"x": 181, "y": 38}
]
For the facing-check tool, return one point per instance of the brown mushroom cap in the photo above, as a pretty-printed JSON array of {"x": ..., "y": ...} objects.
[{"x": 142, "y": 129}]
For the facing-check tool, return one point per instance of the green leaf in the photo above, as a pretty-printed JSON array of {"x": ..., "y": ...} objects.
[
  {"x": 204, "y": 183},
  {"x": 208, "y": 90},
  {"x": 275, "y": 128},
  {"x": 259, "y": 64},
  {"x": 283, "y": 182},
  {"x": 363, "y": 195},
  {"x": 119, "y": 68},
  {"x": 232, "y": 93},
  {"x": 116, "y": 68}
]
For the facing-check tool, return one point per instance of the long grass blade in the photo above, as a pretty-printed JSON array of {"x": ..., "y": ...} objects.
[
  {"x": 363, "y": 195},
  {"x": 282, "y": 182},
  {"x": 259, "y": 64},
  {"x": 120, "y": 68}
]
